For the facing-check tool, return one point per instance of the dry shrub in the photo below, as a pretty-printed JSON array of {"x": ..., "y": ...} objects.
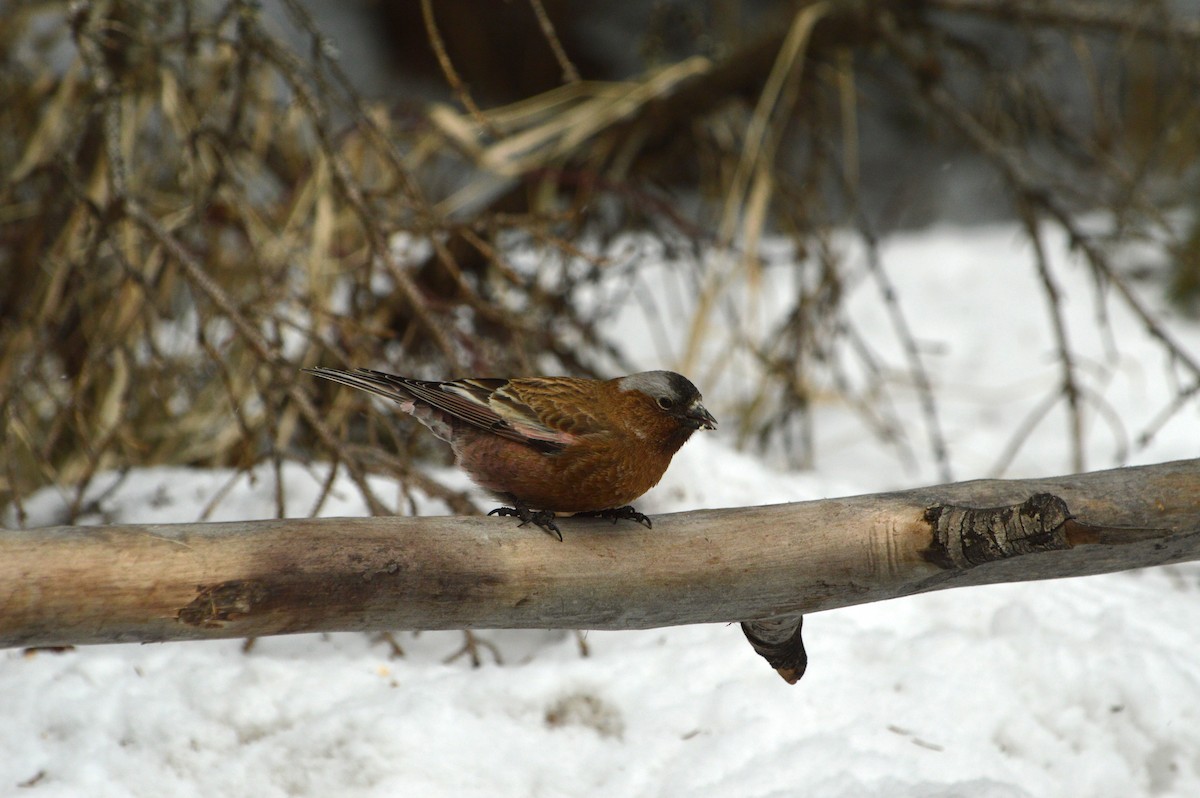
[{"x": 191, "y": 212}]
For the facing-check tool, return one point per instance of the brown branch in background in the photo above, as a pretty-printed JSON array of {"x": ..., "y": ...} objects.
[
  {"x": 125, "y": 203},
  {"x": 569, "y": 72},
  {"x": 461, "y": 93},
  {"x": 1034, "y": 195},
  {"x": 363, "y": 118},
  {"x": 297, "y": 395},
  {"x": 916, "y": 366},
  {"x": 350, "y": 190},
  {"x": 457, "y": 501},
  {"x": 1070, "y": 387},
  {"x": 1181, "y": 400}
]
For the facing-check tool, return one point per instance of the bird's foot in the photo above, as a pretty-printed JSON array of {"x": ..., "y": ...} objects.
[
  {"x": 615, "y": 514},
  {"x": 541, "y": 518}
]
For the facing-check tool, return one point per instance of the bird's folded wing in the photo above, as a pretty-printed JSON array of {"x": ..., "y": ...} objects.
[{"x": 490, "y": 405}]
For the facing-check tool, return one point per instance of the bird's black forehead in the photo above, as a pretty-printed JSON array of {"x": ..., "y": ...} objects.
[{"x": 681, "y": 386}]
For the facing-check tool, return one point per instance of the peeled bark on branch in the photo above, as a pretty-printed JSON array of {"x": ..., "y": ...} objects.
[{"x": 140, "y": 583}]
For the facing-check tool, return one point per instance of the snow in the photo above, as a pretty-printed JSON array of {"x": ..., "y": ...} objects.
[{"x": 1071, "y": 687}]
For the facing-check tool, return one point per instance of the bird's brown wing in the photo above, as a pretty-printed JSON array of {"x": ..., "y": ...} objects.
[
  {"x": 488, "y": 404},
  {"x": 569, "y": 406},
  {"x": 542, "y": 411}
]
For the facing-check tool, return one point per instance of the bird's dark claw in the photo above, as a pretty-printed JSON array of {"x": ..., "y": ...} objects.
[
  {"x": 540, "y": 518},
  {"x": 615, "y": 514}
]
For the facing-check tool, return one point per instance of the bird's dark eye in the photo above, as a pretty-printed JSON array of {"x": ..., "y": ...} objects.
[{"x": 665, "y": 402}]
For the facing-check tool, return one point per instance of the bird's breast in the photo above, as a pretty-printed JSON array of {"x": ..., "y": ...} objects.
[{"x": 596, "y": 473}]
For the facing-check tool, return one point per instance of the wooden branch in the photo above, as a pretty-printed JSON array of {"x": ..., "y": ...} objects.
[{"x": 138, "y": 583}]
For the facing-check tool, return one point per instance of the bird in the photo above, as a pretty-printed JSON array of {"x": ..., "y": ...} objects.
[{"x": 550, "y": 445}]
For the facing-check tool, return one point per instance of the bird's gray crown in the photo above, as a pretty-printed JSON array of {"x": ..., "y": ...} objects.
[{"x": 665, "y": 384}]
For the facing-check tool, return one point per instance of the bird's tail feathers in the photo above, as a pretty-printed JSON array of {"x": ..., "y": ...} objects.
[{"x": 375, "y": 382}]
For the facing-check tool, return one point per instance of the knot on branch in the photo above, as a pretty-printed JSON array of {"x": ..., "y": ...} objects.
[
  {"x": 227, "y": 601},
  {"x": 778, "y": 641},
  {"x": 964, "y": 537}
]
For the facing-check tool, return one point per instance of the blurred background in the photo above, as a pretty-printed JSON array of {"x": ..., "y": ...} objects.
[{"x": 198, "y": 199}]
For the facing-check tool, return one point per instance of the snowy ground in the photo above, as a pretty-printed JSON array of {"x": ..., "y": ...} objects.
[{"x": 1075, "y": 687}]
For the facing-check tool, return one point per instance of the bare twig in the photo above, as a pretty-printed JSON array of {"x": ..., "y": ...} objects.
[
  {"x": 925, "y": 391},
  {"x": 447, "y": 66},
  {"x": 570, "y": 73},
  {"x": 1070, "y": 388}
]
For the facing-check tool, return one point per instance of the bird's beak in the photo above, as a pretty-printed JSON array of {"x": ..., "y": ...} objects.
[{"x": 698, "y": 415}]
